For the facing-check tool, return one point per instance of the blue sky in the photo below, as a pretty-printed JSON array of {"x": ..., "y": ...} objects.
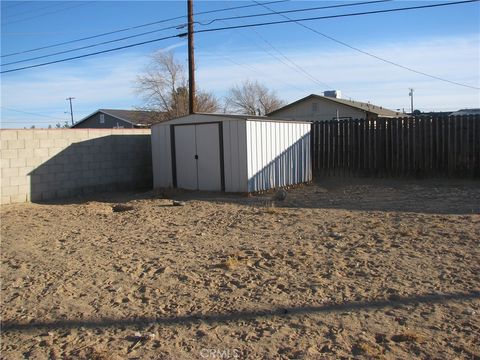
[{"x": 444, "y": 42}]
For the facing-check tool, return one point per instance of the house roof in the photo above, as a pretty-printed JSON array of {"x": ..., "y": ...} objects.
[
  {"x": 134, "y": 117},
  {"x": 375, "y": 109}
]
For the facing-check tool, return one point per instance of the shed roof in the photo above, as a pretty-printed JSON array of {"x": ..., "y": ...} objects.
[
  {"x": 375, "y": 109},
  {"x": 234, "y": 117}
]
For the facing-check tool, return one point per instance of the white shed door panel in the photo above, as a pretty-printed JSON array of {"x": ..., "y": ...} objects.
[
  {"x": 197, "y": 154},
  {"x": 185, "y": 152},
  {"x": 208, "y": 151}
]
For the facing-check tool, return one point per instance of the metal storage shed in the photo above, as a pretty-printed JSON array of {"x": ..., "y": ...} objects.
[{"x": 232, "y": 153}]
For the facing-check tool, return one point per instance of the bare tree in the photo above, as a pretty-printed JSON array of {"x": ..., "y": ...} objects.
[
  {"x": 252, "y": 98},
  {"x": 164, "y": 89}
]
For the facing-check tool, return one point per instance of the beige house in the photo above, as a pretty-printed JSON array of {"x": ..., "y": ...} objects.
[{"x": 322, "y": 108}]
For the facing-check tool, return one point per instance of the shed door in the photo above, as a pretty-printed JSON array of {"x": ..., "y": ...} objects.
[
  {"x": 185, "y": 151},
  {"x": 197, "y": 155},
  {"x": 208, "y": 163}
]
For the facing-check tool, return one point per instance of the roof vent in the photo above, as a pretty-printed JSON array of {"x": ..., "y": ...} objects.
[{"x": 337, "y": 94}]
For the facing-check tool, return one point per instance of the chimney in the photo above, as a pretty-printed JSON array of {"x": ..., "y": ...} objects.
[{"x": 337, "y": 94}]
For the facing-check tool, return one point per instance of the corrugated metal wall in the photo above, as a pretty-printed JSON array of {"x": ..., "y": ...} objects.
[
  {"x": 278, "y": 154},
  {"x": 161, "y": 157},
  {"x": 235, "y": 155}
]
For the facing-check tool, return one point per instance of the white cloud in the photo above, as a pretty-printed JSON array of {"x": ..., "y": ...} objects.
[{"x": 359, "y": 76}]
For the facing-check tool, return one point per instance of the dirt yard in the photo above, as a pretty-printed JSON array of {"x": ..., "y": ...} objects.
[{"x": 365, "y": 269}]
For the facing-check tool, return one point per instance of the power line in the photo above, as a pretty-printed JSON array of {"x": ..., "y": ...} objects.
[
  {"x": 249, "y": 67},
  {"x": 34, "y": 122},
  {"x": 180, "y": 26},
  {"x": 295, "y": 65},
  {"x": 289, "y": 63},
  {"x": 90, "y": 46},
  {"x": 242, "y": 27},
  {"x": 32, "y": 10},
  {"x": 30, "y": 113},
  {"x": 375, "y": 56},
  {"x": 289, "y": 11},
  {"x": 47, "y": 13},
  {"x": 17, "y": 4},
  {"x": 137, "y": 27}
]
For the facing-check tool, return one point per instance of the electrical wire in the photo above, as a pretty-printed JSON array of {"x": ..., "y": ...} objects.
[
  {"x": 281, "y": 58},
  {"x": 30, "y": 113},
  {"x": 372, "y": 55},
  {"x": 48, "y": 13},
  {"x": 137, "y": 27},
  {"x": 249, "y": 67},
  {"x": 34, "y": 122},
  {"x": 293, "y": 63},
  {"x": 242, "y": 27},
  {"x": 30, "y": 11},
  {"x": 18, "y": 3},
  {"x": 289, "y": 11}
]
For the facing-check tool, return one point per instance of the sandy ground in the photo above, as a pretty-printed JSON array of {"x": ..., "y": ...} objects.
[{"x": 366, "y": 269}]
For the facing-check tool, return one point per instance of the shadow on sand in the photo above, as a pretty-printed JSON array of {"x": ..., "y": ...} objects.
[{"x": 8, "y": 326}]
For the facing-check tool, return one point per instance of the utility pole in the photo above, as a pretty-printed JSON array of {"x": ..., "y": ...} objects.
[
  {"x": 191, "y": 59},
  {"x": 71, "y": 109},
  {"x": 411, "y": 99}
]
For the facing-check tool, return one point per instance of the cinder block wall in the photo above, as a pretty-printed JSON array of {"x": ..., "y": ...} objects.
[{"x": 41, "y": 164}]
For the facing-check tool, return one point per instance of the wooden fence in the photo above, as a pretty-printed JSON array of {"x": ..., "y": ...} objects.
[{"x": 415, "y": 146}]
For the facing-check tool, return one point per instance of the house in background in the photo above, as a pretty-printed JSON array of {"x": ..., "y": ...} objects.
[
  {"x": 331, "y": 107},
  {"x": 122, "y": 119}
]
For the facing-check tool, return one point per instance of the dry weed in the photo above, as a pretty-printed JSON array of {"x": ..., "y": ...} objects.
[
  {"x": 92, "y": 353},
  {"x": 272, "y": 210},
  {"x": 367, "y": 349},
  {"x": 408, "y": 336},
  {"x": 234, "y": 261}
]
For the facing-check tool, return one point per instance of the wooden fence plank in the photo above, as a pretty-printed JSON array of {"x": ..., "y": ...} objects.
[
  {"x": 324, "y": 145},
  {"x": 361, "y": 146},
  {"x": 341, "y": 146}
]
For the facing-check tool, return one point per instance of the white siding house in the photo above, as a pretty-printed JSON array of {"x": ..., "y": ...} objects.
[
  {"x": 231, "y": 153},
  {"x": 324, "y": 108}
]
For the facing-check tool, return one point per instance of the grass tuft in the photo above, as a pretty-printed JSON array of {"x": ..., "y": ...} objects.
[
  {"x": 232, "y": 262},
  {"x": 235, "y": 261}
]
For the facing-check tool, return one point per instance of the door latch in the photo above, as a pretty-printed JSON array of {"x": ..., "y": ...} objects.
[{"x": 196, "y": 157}]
